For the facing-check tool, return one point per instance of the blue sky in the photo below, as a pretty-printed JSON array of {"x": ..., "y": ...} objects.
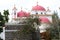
[{"x": 27, "y": 4}]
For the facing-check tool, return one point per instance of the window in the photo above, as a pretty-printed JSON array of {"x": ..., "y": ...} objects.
[
  {"x": 36, "y": 12},
  {"x": 41, "y": 13}
]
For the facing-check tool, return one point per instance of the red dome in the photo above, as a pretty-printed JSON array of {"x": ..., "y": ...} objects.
[
  {"x": 38, "y": 8},
  {"x": 44, "y": 19},
  {"x": 27, "y": 14},
  {"x": 22, "y": 14}
]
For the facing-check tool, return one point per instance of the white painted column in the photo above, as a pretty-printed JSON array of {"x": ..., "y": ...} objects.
[{"x": 3, "y": 33}]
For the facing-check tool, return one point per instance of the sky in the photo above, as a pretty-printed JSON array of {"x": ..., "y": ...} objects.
[{"x": 28, "y": 4}]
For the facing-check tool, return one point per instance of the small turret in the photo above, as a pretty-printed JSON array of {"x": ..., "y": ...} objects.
[{"x": 14, "y": 12}]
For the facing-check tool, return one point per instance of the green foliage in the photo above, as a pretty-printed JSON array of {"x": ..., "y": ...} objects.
[
  {"x": 1, "y": 30},
  {"x": 36, "y": 20},
  {"x": 29, "y": 27},
  {"x": 6, "y": 13},
  {"x": 30, "y": 20},
  {"x": 1, "y": 39},
  {"x": 55, "y": 30},
  {"x": 26, "y": 30},
  {"x": 4, "y": 18},
  {"x": 1, "y": 20}
]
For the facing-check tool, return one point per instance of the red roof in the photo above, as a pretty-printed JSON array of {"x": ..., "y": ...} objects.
[
  {"x": 22, "y": 14},
  {"x": 38, "y": 8},
  {"x": 44, "y": 19}
]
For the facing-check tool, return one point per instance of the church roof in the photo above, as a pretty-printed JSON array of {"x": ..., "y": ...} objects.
[
  {"x": 22, "y": 14},
  {"x": 44, "y": 19},
  {"x": 38, "y": 8}
]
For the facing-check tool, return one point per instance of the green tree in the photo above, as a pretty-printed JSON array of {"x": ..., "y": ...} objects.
[
  {"x": 1, "y": 20},
  {"x": 6, "y": 13},
  {"x": 4, "y": 18},
  {"x": 55, "y": 26},
  {"x": 1, "y": 23},
  {"x": 1, "y": 39},
  {"x": 28, "y": 29}
]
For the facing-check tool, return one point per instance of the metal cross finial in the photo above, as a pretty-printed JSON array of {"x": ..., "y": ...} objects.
[
  {"x": 37, "y": 2},
  {"x": 48, "y": 9},
  {"x": 21, "y": 8},
  {"x": 14, "y": 7}
]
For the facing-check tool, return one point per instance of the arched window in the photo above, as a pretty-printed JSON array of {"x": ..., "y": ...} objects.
[
  {"x": 41, "y": 13},
  {"x": 36, "y": 12}
]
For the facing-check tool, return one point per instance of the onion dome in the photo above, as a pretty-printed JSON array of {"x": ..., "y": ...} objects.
[
  {"x": 23, "y": 14},
  {"x": 38, "y": 8},
  {"x": 44, "y": 20},
  {"x": 27, "y": 14}
]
